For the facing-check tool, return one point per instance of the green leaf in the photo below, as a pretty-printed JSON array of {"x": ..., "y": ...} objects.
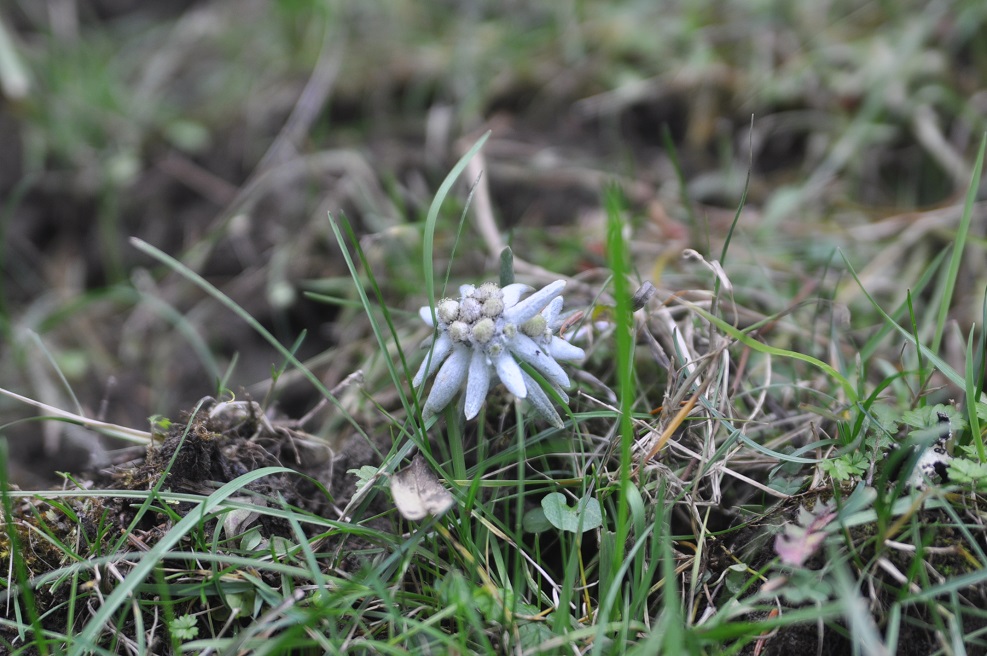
[
  {"x": 492, "y": 606},
  {"x": 786, "y": 485},
  {"x": 965, "y": 471},
  {"x": 364, "y": 474},
  {"x": 846, "y": 466},
  {"x": 968, "y": 451},
  {"x": 881, "y": 434},
  {"x": 240, "y": 603},
  {"x": 807, "y": 586},
  {"x": 926, "y": 421},
  {"x": 252, "y": 540},
  {"x": 159, "y": 424},
  {"x": 586, "y": 516},
  {"x": 184, "y": 627},
  {"x": 506, "y": 267},
  {"x": 736, "y": 577},
  {"x": 535, "y": 521}
]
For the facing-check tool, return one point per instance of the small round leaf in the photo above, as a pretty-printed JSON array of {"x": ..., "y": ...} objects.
[{"x": 586, "y": 516}]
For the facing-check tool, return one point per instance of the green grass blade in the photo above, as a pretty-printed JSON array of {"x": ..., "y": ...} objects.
[
  {"x": 740, "y": 208},
  {"x": 936, "y": 361},
  {"x": 962, "y": 232},
  {"x": 972, "y": 378},
  {"x": 872, "y": 344},
  {"x": 225, "y": 300},
  {"x": 89, "y": 635},
  {"x": 368, "y": 309},
  {"x": 433, "y": 216},
  {"x": 20, "y": 571},
  {"x": 747, "y": 340},
  {"x": 618, "y": 260}
]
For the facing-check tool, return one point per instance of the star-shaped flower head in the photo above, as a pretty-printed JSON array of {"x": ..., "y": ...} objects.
[{"x": 487, "y": 331}]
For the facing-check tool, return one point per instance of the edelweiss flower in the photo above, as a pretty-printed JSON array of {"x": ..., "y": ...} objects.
[{"x": 487, "y": 331}]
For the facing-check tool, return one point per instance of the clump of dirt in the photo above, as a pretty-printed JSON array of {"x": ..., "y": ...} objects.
[{"x": 229, "y": 439}]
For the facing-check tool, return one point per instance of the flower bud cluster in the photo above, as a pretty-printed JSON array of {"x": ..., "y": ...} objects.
[{"x": 472, "y": 318}]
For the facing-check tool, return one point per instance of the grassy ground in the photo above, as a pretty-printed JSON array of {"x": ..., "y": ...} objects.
[{"x": 224, "y": 216}]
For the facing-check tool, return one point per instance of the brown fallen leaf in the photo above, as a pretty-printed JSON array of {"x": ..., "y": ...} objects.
[{"x": 417, "y": 491}]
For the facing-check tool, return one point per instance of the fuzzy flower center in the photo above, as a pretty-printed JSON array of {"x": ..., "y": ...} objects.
[
  {"x": 476, "y": 319},
  {"x": 489, "y": 333}
]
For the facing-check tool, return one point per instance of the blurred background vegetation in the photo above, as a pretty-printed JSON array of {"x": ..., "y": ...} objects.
[{"x": 223, "y": 131}]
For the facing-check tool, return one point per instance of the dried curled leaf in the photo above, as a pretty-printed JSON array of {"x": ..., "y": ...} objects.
[{"x": 417, "y": 491}]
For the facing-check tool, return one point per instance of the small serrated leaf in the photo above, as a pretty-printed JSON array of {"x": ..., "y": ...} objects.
[
  {"x": 965, "y": 471},
  {"x": 364, "y": 475},
  {"x": 886, "y": 416},
  {"x": 184, "y": 627}
]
